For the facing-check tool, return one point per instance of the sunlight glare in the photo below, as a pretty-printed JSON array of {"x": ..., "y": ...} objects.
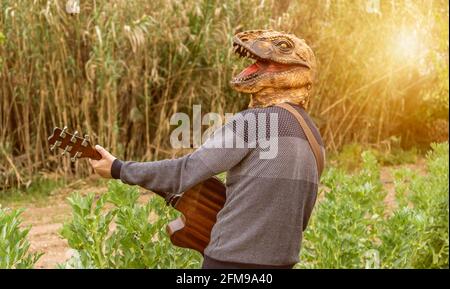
[{"x": 407, "y": 45}]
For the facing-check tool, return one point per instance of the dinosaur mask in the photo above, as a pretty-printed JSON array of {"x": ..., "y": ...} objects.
[{"x": 283, "y": 70}]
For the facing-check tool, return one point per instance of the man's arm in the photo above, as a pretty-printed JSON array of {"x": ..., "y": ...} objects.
[{"x": 178, "y": 175}]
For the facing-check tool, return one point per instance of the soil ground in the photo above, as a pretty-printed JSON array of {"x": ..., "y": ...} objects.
[{"x": 46, "y": 218}]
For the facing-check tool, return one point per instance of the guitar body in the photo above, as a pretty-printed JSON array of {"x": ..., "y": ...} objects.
[{"x": 199, "y": 206}]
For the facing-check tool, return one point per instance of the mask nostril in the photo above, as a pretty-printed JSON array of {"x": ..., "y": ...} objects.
[{"x": 244, "y": 39}]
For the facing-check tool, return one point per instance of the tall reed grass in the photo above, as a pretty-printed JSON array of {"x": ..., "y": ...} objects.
[{"x": 120, "y": 69}]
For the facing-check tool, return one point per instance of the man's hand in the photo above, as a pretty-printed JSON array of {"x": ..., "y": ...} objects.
[{"x": 103, "y": 167}]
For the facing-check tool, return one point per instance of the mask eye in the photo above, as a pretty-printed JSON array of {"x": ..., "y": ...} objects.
[{"x": 284, "y": 45}]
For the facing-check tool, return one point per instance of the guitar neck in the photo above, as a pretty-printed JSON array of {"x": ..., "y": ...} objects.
[{"x": 79, "y": 147}]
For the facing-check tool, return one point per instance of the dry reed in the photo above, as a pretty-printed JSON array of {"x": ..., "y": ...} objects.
[{"x": 120, "y": 69}]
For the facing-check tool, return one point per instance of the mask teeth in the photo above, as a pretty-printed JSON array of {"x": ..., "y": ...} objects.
[
  {"x": 248, "y": 77},
  {"x": 244, "y": 52}
]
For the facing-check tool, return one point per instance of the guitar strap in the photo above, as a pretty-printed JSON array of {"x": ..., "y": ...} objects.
[{"x": 314, "y": 144}]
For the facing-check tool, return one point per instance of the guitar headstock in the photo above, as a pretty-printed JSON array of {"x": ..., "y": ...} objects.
[{"x": 76, "y": 146}]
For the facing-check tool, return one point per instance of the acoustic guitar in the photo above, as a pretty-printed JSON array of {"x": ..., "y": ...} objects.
[{"x": 199, "y": 205}]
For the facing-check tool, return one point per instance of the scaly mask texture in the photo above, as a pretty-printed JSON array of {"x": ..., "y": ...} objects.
[{"x": 284, "y": 70}]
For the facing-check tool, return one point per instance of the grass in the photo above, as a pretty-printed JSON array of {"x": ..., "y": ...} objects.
[
  {"x": 348, "y": 158},
  {"x": 37, "y": 192},
  {"x": 42, "y": 188}
]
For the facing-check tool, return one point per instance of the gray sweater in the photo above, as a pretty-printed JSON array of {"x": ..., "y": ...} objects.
[{"x": 268, "y": 200}]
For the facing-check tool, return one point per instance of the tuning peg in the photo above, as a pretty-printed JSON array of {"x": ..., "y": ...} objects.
[
  {"x": 74, "y": 137},
  {"x": 74, "y": 158},
  {"x": 85, "y": 141},
  {"x": 63, "y": 132},
  {"x": 67, "y": 149},
  {"x": 55, "y": 145}
]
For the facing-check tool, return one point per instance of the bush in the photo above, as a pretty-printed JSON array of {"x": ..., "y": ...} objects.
[
  {"x": 342, "y": 227},
  {"x": 116, "y": 231},
  {"x": 14, "y": 246},
  {"x": 351, "y": 229},
  {"x": 417, "y": 237}
]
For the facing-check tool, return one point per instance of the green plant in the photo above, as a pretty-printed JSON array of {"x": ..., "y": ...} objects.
[
  {"x": 342, "y": 227},
  {"x": 14, "y": 246},
  {"x": 116, "y": 231},
  {"x": 37, "y": 190},
  {"x": 428, "y": 241},
  {"x": 397, "y": 156},
  {"x": 350, "y": 228},
  {"x": 348, "y": 157}
]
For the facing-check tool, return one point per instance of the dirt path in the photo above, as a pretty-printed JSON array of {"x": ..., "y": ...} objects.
[
  {"x": 46, "y": 222},
  {"x": 388, "y": 181},
  {"x": 47, "y": 218}
]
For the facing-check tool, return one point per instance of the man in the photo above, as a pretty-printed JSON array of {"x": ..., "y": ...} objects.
[{"x": 269, "y": 198}]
